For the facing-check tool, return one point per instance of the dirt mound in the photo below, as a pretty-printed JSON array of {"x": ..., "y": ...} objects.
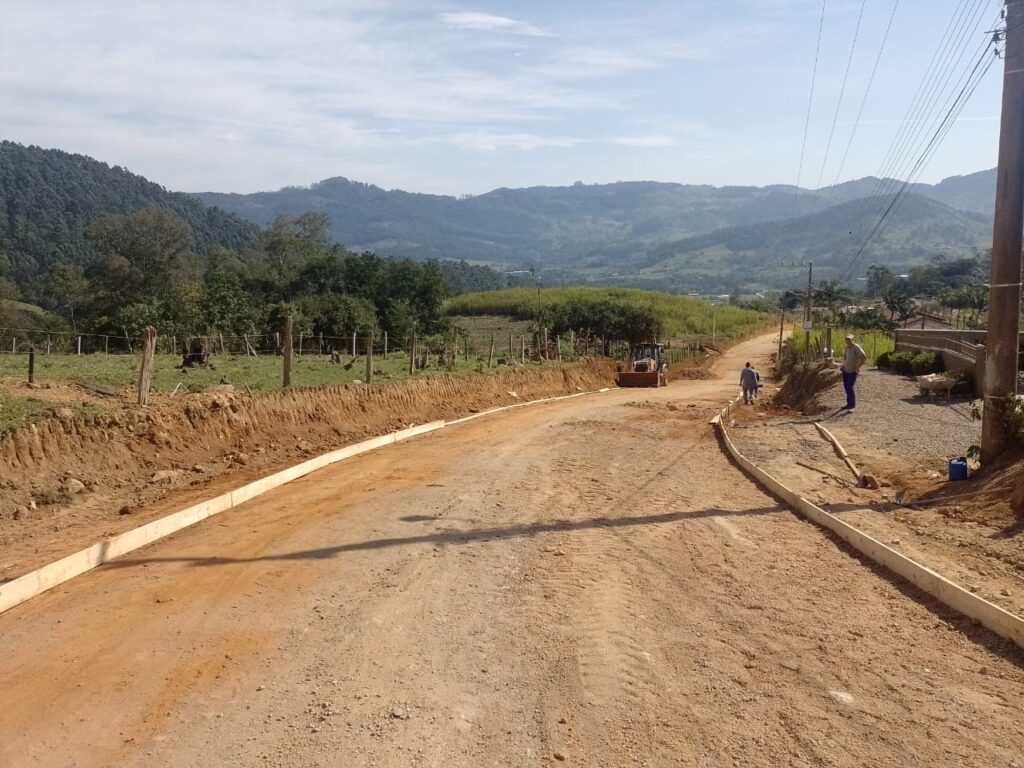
[
  {"x": 73, "y": 471},
  {"x": 801, "y": 388}
]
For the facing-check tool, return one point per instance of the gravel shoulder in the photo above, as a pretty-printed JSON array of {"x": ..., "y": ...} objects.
[{"x": 904, "y": 441}]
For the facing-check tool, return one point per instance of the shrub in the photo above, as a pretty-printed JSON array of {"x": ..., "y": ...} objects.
[
  {"x": 926, "y": 362},
  {"x": 911, "y": 363}
]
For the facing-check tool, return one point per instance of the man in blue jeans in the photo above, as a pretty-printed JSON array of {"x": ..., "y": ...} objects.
[{"x": 853, "y": 359}]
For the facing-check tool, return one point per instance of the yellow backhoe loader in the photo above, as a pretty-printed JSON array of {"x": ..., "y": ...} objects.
[{"x": 647, "y": 367}]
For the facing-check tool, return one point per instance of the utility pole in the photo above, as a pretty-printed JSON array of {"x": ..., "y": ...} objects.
[
  {"x": 807, "y": 315},
  {"x": 1003, "y": 337}
]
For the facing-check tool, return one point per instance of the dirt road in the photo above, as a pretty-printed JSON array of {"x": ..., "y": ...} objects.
[{"x": 587, "y": 582}]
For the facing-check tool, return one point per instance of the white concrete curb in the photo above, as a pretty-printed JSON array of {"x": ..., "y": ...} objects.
[
  {"x": 995, "y": 618},
  {"x": 35, "y": 582}
]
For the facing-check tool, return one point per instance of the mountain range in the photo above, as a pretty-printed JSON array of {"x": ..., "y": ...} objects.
[
  {"x": 677, "y": 237},
  {"x": 650, "y": 234}
]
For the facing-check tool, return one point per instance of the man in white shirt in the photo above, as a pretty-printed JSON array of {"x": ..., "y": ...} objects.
[{"x": 853, "y": 360}]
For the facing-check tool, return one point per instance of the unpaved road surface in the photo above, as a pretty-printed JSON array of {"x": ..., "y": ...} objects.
[{"x": 585, "y": 583}]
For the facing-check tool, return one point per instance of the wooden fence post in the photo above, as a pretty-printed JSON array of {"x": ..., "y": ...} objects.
[
  {"x": 369, "y": 358},
  {"x": 47, "y": 343},
  {"x": 353, "y": 343},
  {"x": 490, "y": 353},
  {"x": 146, "y": 369},
  {"x": 522, "y": 341},
  {"x": 221, "y": 335},
  {"x": 106, "y": 345},
  {"x": 412, "y": 353},
  {"x": 287, "y": 352},
  {"x": 558, "y": 346},
  {"x": 79, "y": 346},
  {"x": 300, "y": 343},
  {"x": 31, "y": 365},
  {"x": 511, "y": 348}
]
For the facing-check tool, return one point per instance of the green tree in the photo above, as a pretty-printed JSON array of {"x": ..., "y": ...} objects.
[
  {"x": 141, "y": 255},
  {"x": 291, "y": 243},
  {"x": 832, "y": 295},
  {"x": 898, "y": 301}
]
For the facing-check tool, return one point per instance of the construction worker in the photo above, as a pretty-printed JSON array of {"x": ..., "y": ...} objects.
[
  {"x": 749, "y": 379},
  {"x": 853, "y": 359}
]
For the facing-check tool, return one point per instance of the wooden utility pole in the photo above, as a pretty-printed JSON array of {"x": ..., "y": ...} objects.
[
  {"x": 807, "y": 314},
  {"x": 1003, "y": 338},
  {"x": 286, "y": 352},
  {"x": 146, "y": 368}
]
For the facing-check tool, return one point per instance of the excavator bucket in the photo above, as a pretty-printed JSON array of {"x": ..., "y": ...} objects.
[
  {"x": 646, "y": 379},
  {"x": 647, "y": 367}
]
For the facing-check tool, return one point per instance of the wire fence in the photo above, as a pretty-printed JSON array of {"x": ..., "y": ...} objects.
[{"x": 500, "y": 348}]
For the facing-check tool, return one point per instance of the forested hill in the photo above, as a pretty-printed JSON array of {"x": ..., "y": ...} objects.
[
  {"x": 920, "y": 228},
  {"x": 48, "y": 198},
  {"x": 560, "y": 227}
]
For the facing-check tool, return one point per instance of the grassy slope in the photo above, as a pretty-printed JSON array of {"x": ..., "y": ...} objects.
[{"x": 680, "y": 316}]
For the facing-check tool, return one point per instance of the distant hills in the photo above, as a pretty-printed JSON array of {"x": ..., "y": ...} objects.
[
  {"x": 624, "y": 232},
  {"x": 657, "y": 235}
]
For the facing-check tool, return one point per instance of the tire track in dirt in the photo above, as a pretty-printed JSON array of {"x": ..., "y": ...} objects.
[{"x": 570, "y": 581}]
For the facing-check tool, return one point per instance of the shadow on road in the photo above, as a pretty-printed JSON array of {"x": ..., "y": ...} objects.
[{"x": 455, "y": 537}]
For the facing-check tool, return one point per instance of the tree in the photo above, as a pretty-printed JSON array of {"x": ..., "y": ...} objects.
[
  {"x": 291, "y": 243},
  {"x": 141, "y": 256},
  {"x": 898, "y": 301},
  {"x": 832, "y": 295},
  {"x": 67, "y": 290},
  {"x": 880, "y": 280}
]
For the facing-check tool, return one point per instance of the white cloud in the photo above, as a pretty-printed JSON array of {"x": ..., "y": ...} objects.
[
  {"x": 488, "y": 22},
  {"x": 486, "y": 141},
  {"x": 645, "y": 141}
]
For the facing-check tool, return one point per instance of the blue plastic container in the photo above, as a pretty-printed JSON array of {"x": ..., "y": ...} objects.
[{"x": 958, "y": 469}]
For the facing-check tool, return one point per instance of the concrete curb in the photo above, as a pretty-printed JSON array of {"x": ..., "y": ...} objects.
[
  {"x": 47, "y": 577},
  {"x": 989, "y": 615}
]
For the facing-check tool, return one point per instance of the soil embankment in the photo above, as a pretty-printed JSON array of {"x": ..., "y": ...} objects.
[{"x": 72, "y": 478}]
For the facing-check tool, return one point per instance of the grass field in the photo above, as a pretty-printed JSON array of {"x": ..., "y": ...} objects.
[
  {"x": 874, "y": 343},
  {"x": 257, "y": 373},
  {"x": 679, "y": 316}
]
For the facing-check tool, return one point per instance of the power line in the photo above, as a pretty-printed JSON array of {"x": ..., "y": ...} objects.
[
  {"x": 882, "y": 182},
  {"x": 921, "y": 113},
  {"x": 842, "y": 92},
  {"x": 810, "y": 102},
  {"x": 864, "y": 100},
  {"x": 974, "y": 78}
]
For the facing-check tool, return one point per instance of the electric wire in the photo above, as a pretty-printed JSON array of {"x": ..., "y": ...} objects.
[
  {"x": 921, "y": 113},
  {"x": 973, "y": 79},
  {"x": 864, "y": 100},
  {"x": 842, "y": 92},
  {"x": 810, "y": 102}
]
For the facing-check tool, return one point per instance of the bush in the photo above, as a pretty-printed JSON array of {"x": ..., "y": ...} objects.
[
  {"x": 926, "y": 362},
  {"x": 911, "y": 363}
]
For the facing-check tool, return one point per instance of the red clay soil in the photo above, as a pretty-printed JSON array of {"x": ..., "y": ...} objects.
[{"x": 70, "y": 479}]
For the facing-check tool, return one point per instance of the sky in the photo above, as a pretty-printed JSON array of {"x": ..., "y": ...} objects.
[{"x": 461, "y": 98}]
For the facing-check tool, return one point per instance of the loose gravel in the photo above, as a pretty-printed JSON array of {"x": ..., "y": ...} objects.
[{"x": 893, "y": 418}]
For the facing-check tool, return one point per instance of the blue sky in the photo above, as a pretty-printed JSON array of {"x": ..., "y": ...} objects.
[{"x": 457, "y": 98}]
